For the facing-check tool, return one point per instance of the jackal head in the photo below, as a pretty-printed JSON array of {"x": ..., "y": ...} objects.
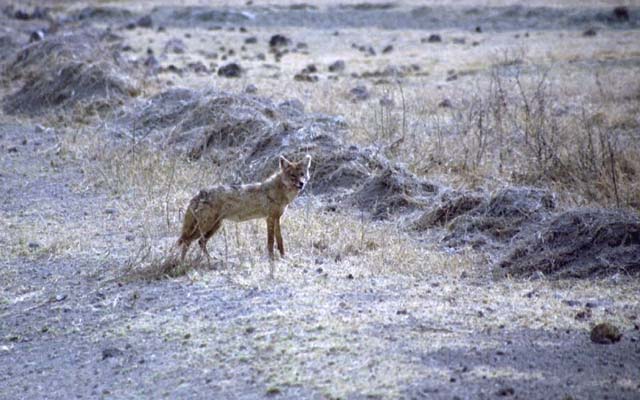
[{"x": 295, "y": 174}]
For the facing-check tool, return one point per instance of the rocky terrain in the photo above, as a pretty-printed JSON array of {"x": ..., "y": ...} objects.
[{"x": 470, "y": 230}]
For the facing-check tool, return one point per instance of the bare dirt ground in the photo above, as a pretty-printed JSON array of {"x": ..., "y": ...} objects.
[{"x": 388, "y": 290}]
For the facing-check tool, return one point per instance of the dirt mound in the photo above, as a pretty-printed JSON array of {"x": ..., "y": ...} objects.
[
  {"x": 580, "y": 243},
  {"x": 393, "y": 190},
  {"x": 501, "y": 217},
  {"x": 249, "y": 132},
  {"x": 452, "y": 206},
  {"x": 64, "y": 69}
]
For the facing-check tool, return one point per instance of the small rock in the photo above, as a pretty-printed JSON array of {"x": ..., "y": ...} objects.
[
  {"x": 478, "y": 29},
  {"x": 145, "y": 22},
  {"x": 605, "y": 333},
  {"x": 589, "y": 32},
  {"x": 251, "y": 40},
  {"x": 387, "y": 49},
  {"x": 359, "y": 93},
  {"x": 36, "y": 36},
  {"x": 508, "y": 391},
  {"x": 273, "y": 391},
  {"x": 302, "y": 77},
  {"x": 434, "y": 38},
  {"x": 279, "y": 41},
  {"x": 583, "y": 314},
  {"x": 571, "y": 303},
  {"x": 12, "y": 149},
  {"x": 129, "y": 238},
  {"x": 111, "y": 352},
  {"x": 175, "y": 46},
  {"x": 319, "y": 270},
  {"x": 402, "y": 312},
  {"x": 231, "y": 70},
  {"x": 621, "y": 13},
  {"x": 33, "y": 245},
  {"x": 198, "y": 67},
  {"x": 251, "y": 89},
  {"x": 110, "y": 211},
  {"x": 310, "y": 69},
  {"x": 446, "y": 103},
  {"x": 337, "y": 66},
  {"x": 350, "y": 276},
  {"x": 60, "y": 297},
  {"x": 21, "y": 15}
]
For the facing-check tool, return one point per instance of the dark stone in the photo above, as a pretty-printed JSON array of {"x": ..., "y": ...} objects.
[
  {"x": 605, "y": 333},
  {"x": 446, "y": 103},
  {"x": 337, "y": 66},
  {"x": 589, "y": 32},
  {"x": 145, "y": 22},
  {"x": 111, "y": 352},
  {"x": 21, "y": 15},
  {"x": 434, "y": 38},
  {"x": 621, "y": 14},
  {"x": 231, "y": 70},
  {"x": 279, "y": 41},
  {"x": 251, "y": 40},
  {"x": 36, "y": 36},
  {"x": 387, "y": 49},
  {"x": 508, "y": 391},
  {"x": 359, "y": 93},
  {"x": 305, "y": 77},
  {"x": 251, "y": 89}
]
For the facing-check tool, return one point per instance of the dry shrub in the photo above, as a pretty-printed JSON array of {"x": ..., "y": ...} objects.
[
  {"x": 579, "y": 243},
  {"x": 145, "y": 265},
  {"x": 514, "y": 126},
  {"x": 65, "y": 69}
]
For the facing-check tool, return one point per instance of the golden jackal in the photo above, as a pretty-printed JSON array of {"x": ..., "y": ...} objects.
[{"x": 267, "y": 199}]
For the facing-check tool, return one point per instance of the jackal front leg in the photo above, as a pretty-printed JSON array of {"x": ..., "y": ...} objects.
[
  {"x": 279, "y": 236},
  {"x": 270, "y": 234}
]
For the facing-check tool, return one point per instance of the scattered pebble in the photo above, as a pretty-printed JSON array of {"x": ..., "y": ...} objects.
[
  {"x": 279, "y": 41},
  {"x": 111, "y": 352},
  {"x": 508, "y": 391},
  {"x": 605, "y": 333},
  {"x": 337, "y": 66},
  {"x": 231, "y": 70}
]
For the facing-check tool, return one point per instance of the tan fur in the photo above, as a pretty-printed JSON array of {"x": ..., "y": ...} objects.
[{"x": 267, "y": 199}]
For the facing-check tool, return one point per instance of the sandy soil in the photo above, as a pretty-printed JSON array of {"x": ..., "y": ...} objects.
[{"x": 358, "y": 309}]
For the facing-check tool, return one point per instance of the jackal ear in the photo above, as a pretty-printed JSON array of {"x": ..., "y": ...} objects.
[
  {"x": 284, "y": 162},
  {"x": 307, "y": 159}
]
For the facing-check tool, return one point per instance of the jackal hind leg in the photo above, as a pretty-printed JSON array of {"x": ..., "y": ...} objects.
[{"x": 205, "y": 238}]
